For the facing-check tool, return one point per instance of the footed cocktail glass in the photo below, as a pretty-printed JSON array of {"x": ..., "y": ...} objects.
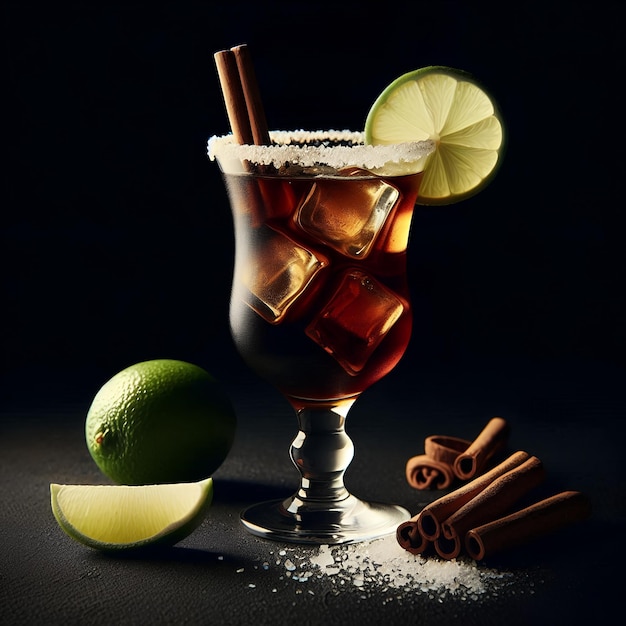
[{"x": 320, "y": 304}]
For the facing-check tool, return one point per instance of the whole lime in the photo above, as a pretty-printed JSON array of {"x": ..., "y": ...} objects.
[{"x": 160, "y": 421}]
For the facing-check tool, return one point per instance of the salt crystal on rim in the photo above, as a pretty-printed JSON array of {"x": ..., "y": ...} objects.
[{"x": 311, "y": 148}]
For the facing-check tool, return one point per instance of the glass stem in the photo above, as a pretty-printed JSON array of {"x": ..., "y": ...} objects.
[
  {"x": 322, "y": 452},
  {"x": 322, "y": 511}
]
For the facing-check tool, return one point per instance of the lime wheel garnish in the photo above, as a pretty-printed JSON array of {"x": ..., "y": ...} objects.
[{"x": 449, "y": 107}]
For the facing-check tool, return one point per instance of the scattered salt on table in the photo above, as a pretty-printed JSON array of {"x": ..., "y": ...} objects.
[{"x": 384, "y": 564}]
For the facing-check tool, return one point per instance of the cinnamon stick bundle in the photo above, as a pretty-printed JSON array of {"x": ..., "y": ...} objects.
[
  {"x": 434, "y": 514},
  {"x": 447, "y": 458},
  {"x": 497, "y": 498},
  {"x": 424, "y": 529},
  {"x": 476, "y": 517}
]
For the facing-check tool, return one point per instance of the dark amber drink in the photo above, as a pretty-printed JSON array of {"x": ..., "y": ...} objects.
[{"x": 320, "y": 305}]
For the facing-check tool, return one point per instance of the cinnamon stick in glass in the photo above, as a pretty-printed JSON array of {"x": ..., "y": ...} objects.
[
  {"x": 234, "y": 98},
  {"x": 252, "y": 95},
  {"x": 244, "y": 108},
  {"x": 497, "y": 498},
  {"x": 530, "y": 523},
  {"x": 242, "y": 97},
  {"x": 472, "y": 460},
  {"x": 432, "y": 515}
]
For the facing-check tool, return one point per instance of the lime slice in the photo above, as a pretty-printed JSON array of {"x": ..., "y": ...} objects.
[
  {"x": 449, "y": 107},
  {"x": 118, "y": 517}
]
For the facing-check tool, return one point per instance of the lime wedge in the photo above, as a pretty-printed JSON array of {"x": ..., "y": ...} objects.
[
  {"x": 449, "y": 107},
  {"x": 119, "y": 517}
]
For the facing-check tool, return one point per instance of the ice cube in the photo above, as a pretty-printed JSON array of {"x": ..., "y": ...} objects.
[
  {"x": 277, "y": 272},
  {"x": 355, "y": 320},
  {"x": 347, "y": 212}
]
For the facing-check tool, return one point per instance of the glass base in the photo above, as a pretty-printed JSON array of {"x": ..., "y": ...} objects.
[{"x": 348, "y": 521}]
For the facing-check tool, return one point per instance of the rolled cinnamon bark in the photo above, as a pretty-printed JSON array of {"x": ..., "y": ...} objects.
[
  {"x": 424, "y": 472},
  {"x": 471, "y": 461},
  {"x": 433, "y": 514},
  {"x": 242, "y": 97},
  {"x": 448, "y": 548},
  {"x": 522, "y": 526},
  {"x": 410, "y": 539},
  {"x": 445, "y": 449},
  {"x": 234, "y": 98},
  {"x": 252, "y": 95},
  {"x": 496, "y": 499}
]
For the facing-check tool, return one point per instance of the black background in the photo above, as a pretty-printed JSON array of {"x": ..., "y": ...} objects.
[
  {"x": 116, "y": 246},
  {"x": 116, "y": 236}
]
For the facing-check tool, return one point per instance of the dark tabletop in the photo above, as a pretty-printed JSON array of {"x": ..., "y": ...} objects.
[
  {"x": 116, "y": 246},
  {"x": 568, "y": 414}
]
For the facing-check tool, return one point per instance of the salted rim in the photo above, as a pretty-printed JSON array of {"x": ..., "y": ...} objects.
[{"x": 357, "y": 154}]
